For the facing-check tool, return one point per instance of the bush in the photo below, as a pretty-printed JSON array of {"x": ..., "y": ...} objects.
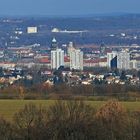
[{"x": 72, "y": 120}]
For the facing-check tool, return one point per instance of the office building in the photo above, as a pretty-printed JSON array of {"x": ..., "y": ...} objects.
[
  {"x": 114, "y": 63},
  {"x": 112, "y": 60}
]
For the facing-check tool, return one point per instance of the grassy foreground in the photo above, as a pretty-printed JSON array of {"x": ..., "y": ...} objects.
[{"x": 9, "y": 107}]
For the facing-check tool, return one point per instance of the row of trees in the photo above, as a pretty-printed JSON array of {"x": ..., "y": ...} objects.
[
  {"x": 72, "y": 120},
  {"x": 46, "y": 91}
]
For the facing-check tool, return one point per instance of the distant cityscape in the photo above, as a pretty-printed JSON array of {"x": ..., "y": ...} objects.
[
  {"x": 69, "y": 70},
  {"x": 23, "y": 49}
]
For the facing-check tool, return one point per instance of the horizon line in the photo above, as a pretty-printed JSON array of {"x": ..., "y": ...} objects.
[{"x": 72, "y": 16}]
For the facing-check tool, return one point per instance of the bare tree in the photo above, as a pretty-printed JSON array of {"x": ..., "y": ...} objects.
[
  {"x": 24, "y": 121},
  {"x": 70, "y": 120},
  {"x": 112, "y": 122},
  {"x": 6, "y": 130}
]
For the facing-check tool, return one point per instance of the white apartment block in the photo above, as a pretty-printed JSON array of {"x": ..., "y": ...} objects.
[
  {"x": 57, "y": 58},
  {"x": 123, "y": 60},
  {"x": 76, "y": 59}
]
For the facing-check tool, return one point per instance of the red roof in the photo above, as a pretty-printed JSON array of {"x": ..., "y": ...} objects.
[
  {"x": 96, "y": 60},
  {"x": 46, "y": 55},
  {"x": 103, "y": 60},
  {"x": 44, "y": 60},
  {"x": 66, "y": 59},
  {"x": 91, "y": 61}
]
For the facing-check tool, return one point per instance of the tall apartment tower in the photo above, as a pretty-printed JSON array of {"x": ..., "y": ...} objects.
[
  {"x": 57, "y": 58},
  {"x": 123, "y": 60},
  {"x": 70, "y": 48},
  {"x": 76, "y": 59},
  {"x": 110, "y": 57},
  {"x": 102, "y": 49}
]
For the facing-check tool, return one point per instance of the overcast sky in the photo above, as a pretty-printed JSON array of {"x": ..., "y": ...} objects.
[{"x": 67, "y": 7}]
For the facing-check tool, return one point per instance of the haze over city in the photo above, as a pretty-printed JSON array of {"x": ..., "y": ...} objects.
[{"x": 66, "y": 7}]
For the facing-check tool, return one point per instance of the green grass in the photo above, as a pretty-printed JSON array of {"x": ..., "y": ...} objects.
[{"x": 9, "y": 107}]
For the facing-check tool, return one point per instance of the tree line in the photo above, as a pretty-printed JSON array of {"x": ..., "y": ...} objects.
[
  {"x": 72, "y": 120},
  {"x": 64, "y": 91}
]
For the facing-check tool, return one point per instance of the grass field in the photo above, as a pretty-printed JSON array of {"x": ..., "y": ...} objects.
[{"x": 9, "y": 107}]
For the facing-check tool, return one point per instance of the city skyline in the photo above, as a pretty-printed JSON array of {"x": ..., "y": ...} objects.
[{"x": 66, "y": 8}]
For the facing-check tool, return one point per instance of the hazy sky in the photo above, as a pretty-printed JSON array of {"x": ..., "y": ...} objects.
[{"x": 67, "y": 7}]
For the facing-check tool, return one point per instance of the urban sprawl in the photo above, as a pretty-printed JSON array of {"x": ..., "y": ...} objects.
[{"x": 70, "y": 63}]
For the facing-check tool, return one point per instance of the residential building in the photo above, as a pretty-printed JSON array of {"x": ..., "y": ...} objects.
[
  {"x": 123, "y": 60},
  {"x": 110, "y": 57},
  {"x": 133, "y": 64},
  {"x": 76, "y": 59},
  {"x": 57, "y": 58},
  {"x": 70, "y": 48}
]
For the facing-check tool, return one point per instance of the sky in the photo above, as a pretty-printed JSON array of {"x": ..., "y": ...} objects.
[{"x": 67, "y": 7}]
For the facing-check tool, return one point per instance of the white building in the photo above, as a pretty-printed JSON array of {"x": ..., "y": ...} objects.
[
  {"x": 110, "y": 56},
  {"x": 76, "y": 59},
  {"x": 57, "y": 58},
  {"x": 1, "y": 54},
  {"x": 31, "y": 30},
  {"x": 133, "y": 64},
  {"x": 138, "y": 64},
  {"x": 7, "y": 65},
  {"x": 70, "y": 48},
  {"x": 123, "y": 60}
]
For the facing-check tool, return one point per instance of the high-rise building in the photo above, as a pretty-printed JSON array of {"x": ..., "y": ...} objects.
[
  {"x": 111, "y": 59},
  {"x": 123, "y": 60},
  {"x": 76, "y": 59},
  {"x": 114, "y": 63},
  {"x": 120, "y": 60},
  {"x": 133, "y": 64},
  {"x": 102, "y": 49},
  {"x": 57, "y": 58},
  {"x": 70, "y": 48}
]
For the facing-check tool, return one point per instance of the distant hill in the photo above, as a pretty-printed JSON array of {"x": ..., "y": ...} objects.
[{"x": 100, "y": 27}]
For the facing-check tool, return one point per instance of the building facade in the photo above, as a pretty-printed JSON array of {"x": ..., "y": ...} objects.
[
  {"x": 31, "y": 30},
  {"x": 110, "y": 58},
  {"x": 70, "y": 48},
  {"x": 57, "y": 58},
  {"x": 76, "y": 59},
  {"x": 123, "y": 60}
]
